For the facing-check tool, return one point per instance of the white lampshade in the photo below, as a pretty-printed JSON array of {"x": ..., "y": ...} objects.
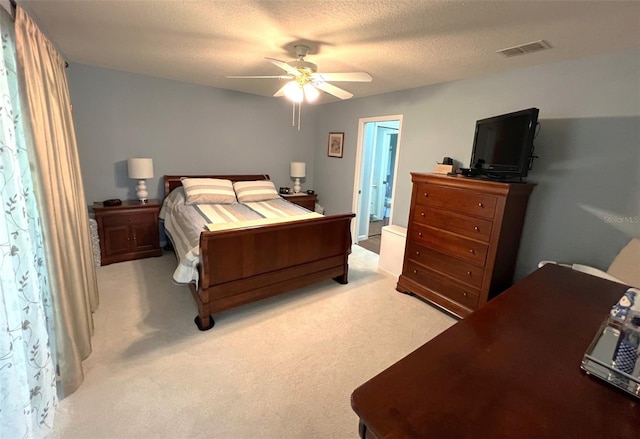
[
  {"x": 298, "y": 169},
  {"x": 293, "y": 91},
  {"x": 310, "y": 92},
  {"x": 140, "y": 168}
]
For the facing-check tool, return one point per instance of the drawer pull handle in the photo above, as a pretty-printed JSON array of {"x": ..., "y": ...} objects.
[
  {"x": 464, "y": 293},
  {"x": 468, "y": 273},
  {"x": 422, "y": 214},
  {"x": 415, "y": 271},
  {"x": 480, "y": 205},
  {"x": 426, "y": 194},
  {"x": 472, "y": 251},
  {"x": 418, "y": 253},
  {"x": 476, "y": 228},
  {"x": 129, "y": 218},
  {"x": 420, "y": 234}
]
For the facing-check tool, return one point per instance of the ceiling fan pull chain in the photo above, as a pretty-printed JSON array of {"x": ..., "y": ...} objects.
[
  {"x": 299, "y": 112},
  {"x": 293, "y": 114}
]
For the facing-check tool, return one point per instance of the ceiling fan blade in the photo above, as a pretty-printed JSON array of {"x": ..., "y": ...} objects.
[
  {"x": 280, "y": 92},
  {"x": 345, "y": 77},
  {"x": 260, "y": 77},
  {"x": 333, "y": 90},
  {"x": 284, "y": 66}
]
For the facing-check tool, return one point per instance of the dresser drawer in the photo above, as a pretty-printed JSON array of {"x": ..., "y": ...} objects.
[
  {"x": 124, "y": 218},
  {"x": 449, "y": 243},
  {"x": 460, "y": 270},
  {"x": 456, "y": 200},
  {"x": 443, "y": 286},
  {"x": 464, "y": 225}
]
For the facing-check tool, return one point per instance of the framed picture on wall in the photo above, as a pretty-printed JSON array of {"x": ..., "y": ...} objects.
[{"x": 336, "y": 145}]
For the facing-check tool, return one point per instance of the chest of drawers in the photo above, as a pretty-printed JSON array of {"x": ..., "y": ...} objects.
[{"x": 462, "y": 240}]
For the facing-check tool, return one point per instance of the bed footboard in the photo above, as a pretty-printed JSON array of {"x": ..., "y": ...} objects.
[{"x": 244, "y": 265}]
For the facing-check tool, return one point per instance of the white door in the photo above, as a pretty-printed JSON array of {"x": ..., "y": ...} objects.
[{"x": 376, "y": 164}]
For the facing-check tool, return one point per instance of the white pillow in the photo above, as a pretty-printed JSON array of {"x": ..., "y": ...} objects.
[
  {"x": 208, "y": 191},
  {"x": 626, "y": 266},
  {"x": 259, "y": 190}
]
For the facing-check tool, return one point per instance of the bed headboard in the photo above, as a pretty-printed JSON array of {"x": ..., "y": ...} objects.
[{"x": 173, "y": 181}]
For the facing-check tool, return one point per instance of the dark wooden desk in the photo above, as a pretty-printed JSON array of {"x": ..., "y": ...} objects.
[{"x": 510, "y": 369}]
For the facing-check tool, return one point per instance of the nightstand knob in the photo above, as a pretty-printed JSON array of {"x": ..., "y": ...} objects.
[
  {"x": 420, "y": 234},
  {"x": 472, "y": 251},
  {"x": 476, "y": 228},
  {"x": 468, "y": 273},
  {"x": 480, "y": 205},
  {"x": 426, "y": 194},
  {"x": 464, "y": 293},
  {"x": 418, "y": 253},
  {"x": 422, "y": 214},
  {"x": 415, "y": 271},
  {"x": 129, "y": 218}
]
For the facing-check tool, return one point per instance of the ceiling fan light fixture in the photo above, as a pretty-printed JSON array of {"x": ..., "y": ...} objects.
[
  {"x": 293, "y": 91},
  {"x": 310, "y": 92}
]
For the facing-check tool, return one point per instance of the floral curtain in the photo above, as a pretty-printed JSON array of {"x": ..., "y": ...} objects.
[{"x": 27, "y": 366}]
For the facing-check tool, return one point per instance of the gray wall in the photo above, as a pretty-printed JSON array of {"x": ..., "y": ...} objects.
[
  {"x": 585, "y": 206},
  {"x": 589, "y": 148},
  {"x": 185, "y": 128}
]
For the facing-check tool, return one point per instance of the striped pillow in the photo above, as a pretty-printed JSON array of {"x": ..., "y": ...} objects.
[
  {"x": 259, "y": 190},
  {"x": 208, "y": 191}
]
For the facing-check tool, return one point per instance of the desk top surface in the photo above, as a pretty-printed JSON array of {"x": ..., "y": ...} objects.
[{"x": 511, "y": 369}]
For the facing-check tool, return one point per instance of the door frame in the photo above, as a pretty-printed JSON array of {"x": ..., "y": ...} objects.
[{"x": 358, "y": 169}]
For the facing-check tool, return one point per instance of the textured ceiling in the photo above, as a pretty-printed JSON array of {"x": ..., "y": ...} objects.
[{"x": 402, "y": 44}]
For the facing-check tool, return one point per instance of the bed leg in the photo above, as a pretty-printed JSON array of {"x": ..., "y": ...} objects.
[
  {"x": 343, "y": 278},
  {"x": 204, "y": 324}
]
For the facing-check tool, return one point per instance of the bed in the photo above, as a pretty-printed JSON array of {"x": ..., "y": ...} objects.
[{"x": 242, "y": 265}]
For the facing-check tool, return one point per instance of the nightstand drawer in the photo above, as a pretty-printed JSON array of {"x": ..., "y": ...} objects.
[
  {"x": 308, "y": 201},
  {"x": 125, "y": 218},
  {"x": 456, "y": 200}
]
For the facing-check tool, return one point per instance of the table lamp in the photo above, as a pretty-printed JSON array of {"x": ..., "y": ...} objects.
[
  {"x": 297, "y": 172},
  {"x": 141, "y": 169}
]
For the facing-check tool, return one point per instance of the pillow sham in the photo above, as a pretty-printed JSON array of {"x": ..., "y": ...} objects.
[
  {"x": 208, "y": 191},
  {"x": 259, "y": 190}
]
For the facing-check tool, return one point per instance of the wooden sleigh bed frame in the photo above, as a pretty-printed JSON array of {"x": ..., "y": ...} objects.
[{"x": 241, "y": 266}]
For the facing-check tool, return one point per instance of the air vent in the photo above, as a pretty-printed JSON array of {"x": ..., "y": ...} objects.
[{"x": 524, "y": 49}]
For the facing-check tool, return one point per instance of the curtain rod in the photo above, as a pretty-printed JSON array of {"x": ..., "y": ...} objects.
[{"x": 14, "y": 6}]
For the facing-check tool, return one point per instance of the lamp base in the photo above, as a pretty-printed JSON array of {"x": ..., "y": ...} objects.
[
  {"x": 296, "y": 186},
  {"x": 141, "y": 191}
]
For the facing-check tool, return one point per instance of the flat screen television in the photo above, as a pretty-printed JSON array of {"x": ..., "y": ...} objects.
[{"x": 503, "y": 145}]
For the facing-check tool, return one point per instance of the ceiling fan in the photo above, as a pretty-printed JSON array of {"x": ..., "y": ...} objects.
[{"x": 305, "y": 81}]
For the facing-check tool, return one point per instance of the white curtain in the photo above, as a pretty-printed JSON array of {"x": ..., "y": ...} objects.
[
  {"x": 27, "y": 363},
  {"x": 61, "y": 200}
]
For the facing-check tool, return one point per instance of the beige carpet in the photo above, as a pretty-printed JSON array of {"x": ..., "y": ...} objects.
[{"x": 281, "y": 368}]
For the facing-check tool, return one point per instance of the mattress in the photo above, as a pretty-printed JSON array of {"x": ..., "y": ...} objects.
[{"x": 184, "y": 223}]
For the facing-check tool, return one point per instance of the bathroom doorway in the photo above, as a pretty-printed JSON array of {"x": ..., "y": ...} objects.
[{"x": 376, "y": 167}]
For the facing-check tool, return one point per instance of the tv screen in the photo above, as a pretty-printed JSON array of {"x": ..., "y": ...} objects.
[{"x": 503, "y": 145}]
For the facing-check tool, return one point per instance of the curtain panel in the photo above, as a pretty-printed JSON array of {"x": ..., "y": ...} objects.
[
  {"x": 27, "y": 361},
  {"x": 61, "y": 199}
]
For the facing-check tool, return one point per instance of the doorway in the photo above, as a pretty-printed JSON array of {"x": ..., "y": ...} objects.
[{"x": 376, "y": 167}]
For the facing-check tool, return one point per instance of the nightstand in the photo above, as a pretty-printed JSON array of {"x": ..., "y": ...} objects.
[
  {"x": 303, "y": 199},
  {"x": 129, "y": 231}
]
